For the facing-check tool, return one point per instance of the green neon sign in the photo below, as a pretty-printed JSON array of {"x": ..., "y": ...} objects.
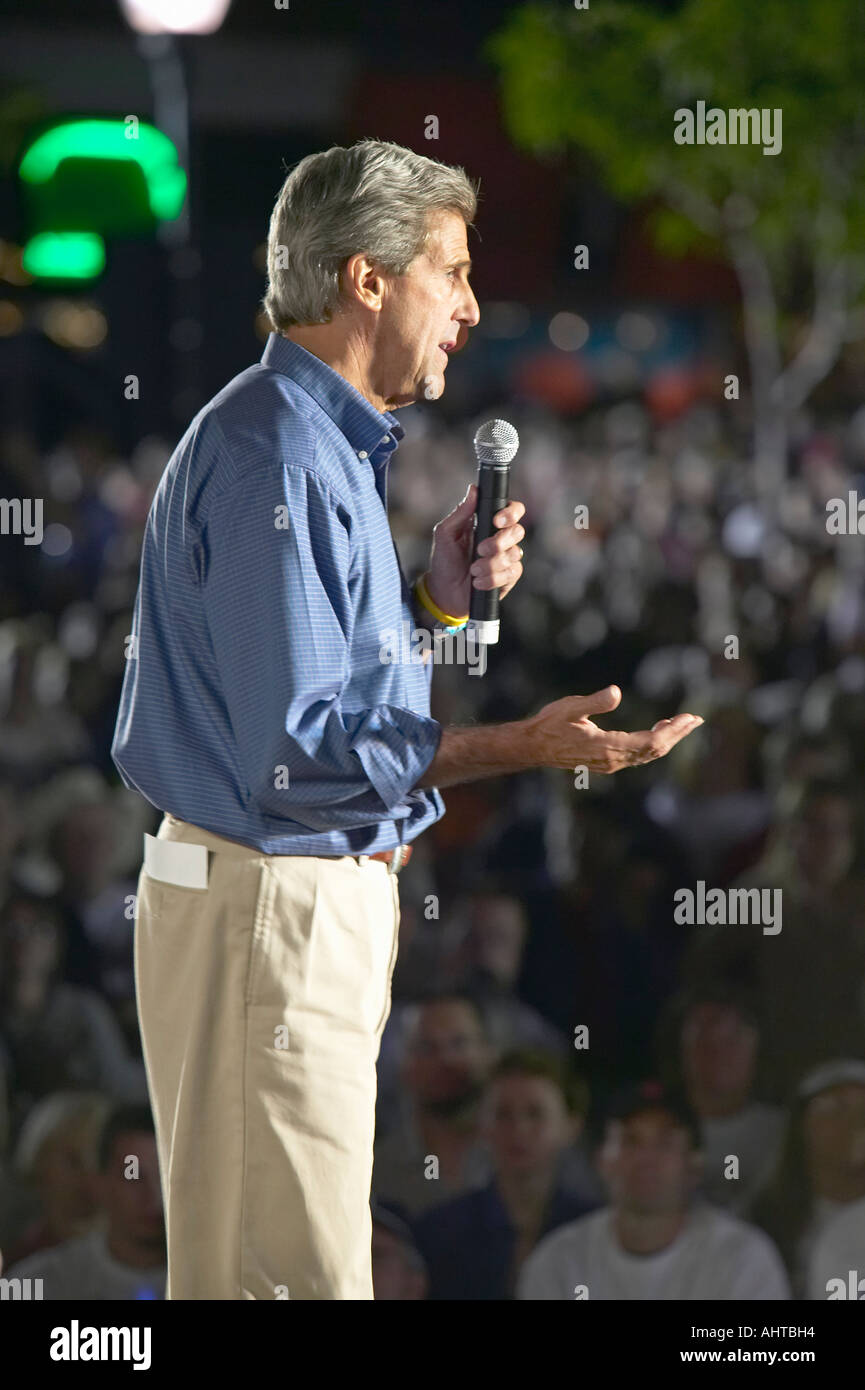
[
  {"x": 152, "y": 151},
  {"x": 64, "y": 255},
  {"x": 89, "y": 179}
]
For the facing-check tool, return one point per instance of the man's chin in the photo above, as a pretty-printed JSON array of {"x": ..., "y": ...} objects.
[
  {"x": 432, "y": 387},
  {"x": 429, "y": 388},
  {"x": 647, "y": 1205},
  {"x": 445, "y": 1106}
]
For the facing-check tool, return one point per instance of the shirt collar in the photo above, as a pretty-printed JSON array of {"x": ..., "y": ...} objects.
[{"x": 373, "y": 434}]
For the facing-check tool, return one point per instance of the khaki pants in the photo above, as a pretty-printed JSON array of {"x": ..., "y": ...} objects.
[{"x": 262, "y": 999}]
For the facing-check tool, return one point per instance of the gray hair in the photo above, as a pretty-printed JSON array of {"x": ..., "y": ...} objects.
[{"x": 374, "y": 198}]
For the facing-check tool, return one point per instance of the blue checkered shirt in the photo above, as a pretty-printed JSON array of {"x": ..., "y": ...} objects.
[{"x": 254, "y": 701}]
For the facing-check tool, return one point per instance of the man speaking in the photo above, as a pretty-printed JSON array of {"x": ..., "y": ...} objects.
[{"x": 294, "y": 768}]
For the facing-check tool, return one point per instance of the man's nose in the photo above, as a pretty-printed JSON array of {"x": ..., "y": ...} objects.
[{"x": 471, "y": 311}]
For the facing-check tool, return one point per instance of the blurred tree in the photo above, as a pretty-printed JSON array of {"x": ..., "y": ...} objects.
[{"x": 609, "y": 79}]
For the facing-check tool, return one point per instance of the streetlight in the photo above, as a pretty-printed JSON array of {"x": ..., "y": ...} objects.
[
  {"x": 175, "y": 16},
  {"x": 162, "y": 27}
]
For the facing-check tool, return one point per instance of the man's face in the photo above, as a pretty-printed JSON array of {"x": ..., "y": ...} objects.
[
  {"x": 719, "y": 1049},
  {"x": 134, "y": 1205},
  {"x": 86, "y": 843},
  {"x": 648, "y": 1164},
  {"x": 528, "y": 1124},
  {"x": 30, "y": 941},
  {"x": 835, "y": 1127},
  {"x": 823, "y": 839},
  {"x": 447, "y": 1057},
  {"x": 496, "y": 938},
  {"x": 64, "y": 1180},
  {"x": 430, "y": 305}
]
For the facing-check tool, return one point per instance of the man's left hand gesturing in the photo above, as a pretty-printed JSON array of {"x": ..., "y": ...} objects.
[{"x": 452, "y": 576}]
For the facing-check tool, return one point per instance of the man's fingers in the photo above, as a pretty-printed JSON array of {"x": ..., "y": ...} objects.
[
  {"x": 493, "y": 574},
  {"x": 648, "y": 744},
  {"x": 683, "y": 725},
  {"x": 510, "y": 514},
  {"x": 580, "y": 706},
  {"x": 665, "y": 733},
  {"x": 607, "y": 750},
  {"x": 504, "y": 541}
]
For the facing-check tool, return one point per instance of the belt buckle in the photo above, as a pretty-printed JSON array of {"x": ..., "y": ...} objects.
[{"x": 396, "y": 860}]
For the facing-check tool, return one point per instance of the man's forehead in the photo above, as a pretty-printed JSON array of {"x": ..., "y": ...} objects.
[
  {"x": 714, "y": 1011},
  {"x": 653, "y": 1117},
  {"x": 523, "y": 1083},
  {"x": 454, "y": 1027},
  {"x": 454, "y": 1019},
  {"x": 132, "y": 1141},
  {"x": 447, "y": 238}
]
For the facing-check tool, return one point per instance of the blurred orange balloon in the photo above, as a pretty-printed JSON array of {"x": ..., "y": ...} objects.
[
  {"x": 669, "y": 393},
  {"x": 558, "y": 379}
]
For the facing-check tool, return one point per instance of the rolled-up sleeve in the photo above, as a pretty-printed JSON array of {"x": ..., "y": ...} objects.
[{"x": 279, "y": 596}]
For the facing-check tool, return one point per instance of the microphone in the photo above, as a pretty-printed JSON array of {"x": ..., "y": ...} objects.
[{"x": 496, "y": 443}]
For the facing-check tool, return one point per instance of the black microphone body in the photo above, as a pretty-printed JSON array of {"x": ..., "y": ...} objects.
[
  {"x": 493, "y": 484},
  {"x": 496, "y": 444}
]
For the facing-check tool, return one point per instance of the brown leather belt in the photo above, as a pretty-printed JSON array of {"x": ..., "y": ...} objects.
[{"x": 395, "y": 859}]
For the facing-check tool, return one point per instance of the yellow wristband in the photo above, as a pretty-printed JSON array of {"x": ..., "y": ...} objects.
[{"x": 423, "y": 594}]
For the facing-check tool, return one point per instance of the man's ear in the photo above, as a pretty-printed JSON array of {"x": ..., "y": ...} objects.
[
  {"x": 373, "y": 288},
  {"x": 363, "y": 281}
]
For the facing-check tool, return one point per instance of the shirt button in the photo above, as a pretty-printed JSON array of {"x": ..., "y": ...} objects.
[{"x": 361, "y": 453}]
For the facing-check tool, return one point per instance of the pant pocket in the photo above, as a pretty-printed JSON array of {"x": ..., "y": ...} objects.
[
  {"x": 260, "y": 942},
  {"x": 385, "y": 1014}
]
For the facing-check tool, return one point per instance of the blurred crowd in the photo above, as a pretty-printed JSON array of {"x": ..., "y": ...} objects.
[{"x": 578, "y": 1096}]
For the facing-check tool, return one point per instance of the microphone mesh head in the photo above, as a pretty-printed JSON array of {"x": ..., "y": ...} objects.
[{"x": 496, "y": 442}]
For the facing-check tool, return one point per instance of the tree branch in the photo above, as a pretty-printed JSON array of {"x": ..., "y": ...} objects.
[
  {"x": 697, "y": 208},
  {"x": 759, "y": 312},
  {"x": 835, "y": 290}
]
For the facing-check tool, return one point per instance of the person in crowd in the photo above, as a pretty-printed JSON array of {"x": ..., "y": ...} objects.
[
  {"x": 485, "y": 963},
  {"x": 480, "y": 956},
  {"x": 475, "y": 1245},
  {"x": 656, "y": 1239},
  {"x": 56, "y": 1036},
  {"x": 717, "y": 807},
  {"x": 83, "y": 827},
  {"x": 398, "y": 1270},
  {"x": 718, "y": 1039},
  {"x": 9, "y": 1196},
  {"x": 836, "y": 1269},
  {"x": 54, "y": 1160},
  {"x": 609, "y": 946},
  {"x": 38, "y": 732},
  {"x": 437, "y": 1150},
  {"x": 821, "y": 1170},
  {"x": 124, "y": 1257},
  {"x": 10, "y": 836},
  {"x": 808, "y": 976}
]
